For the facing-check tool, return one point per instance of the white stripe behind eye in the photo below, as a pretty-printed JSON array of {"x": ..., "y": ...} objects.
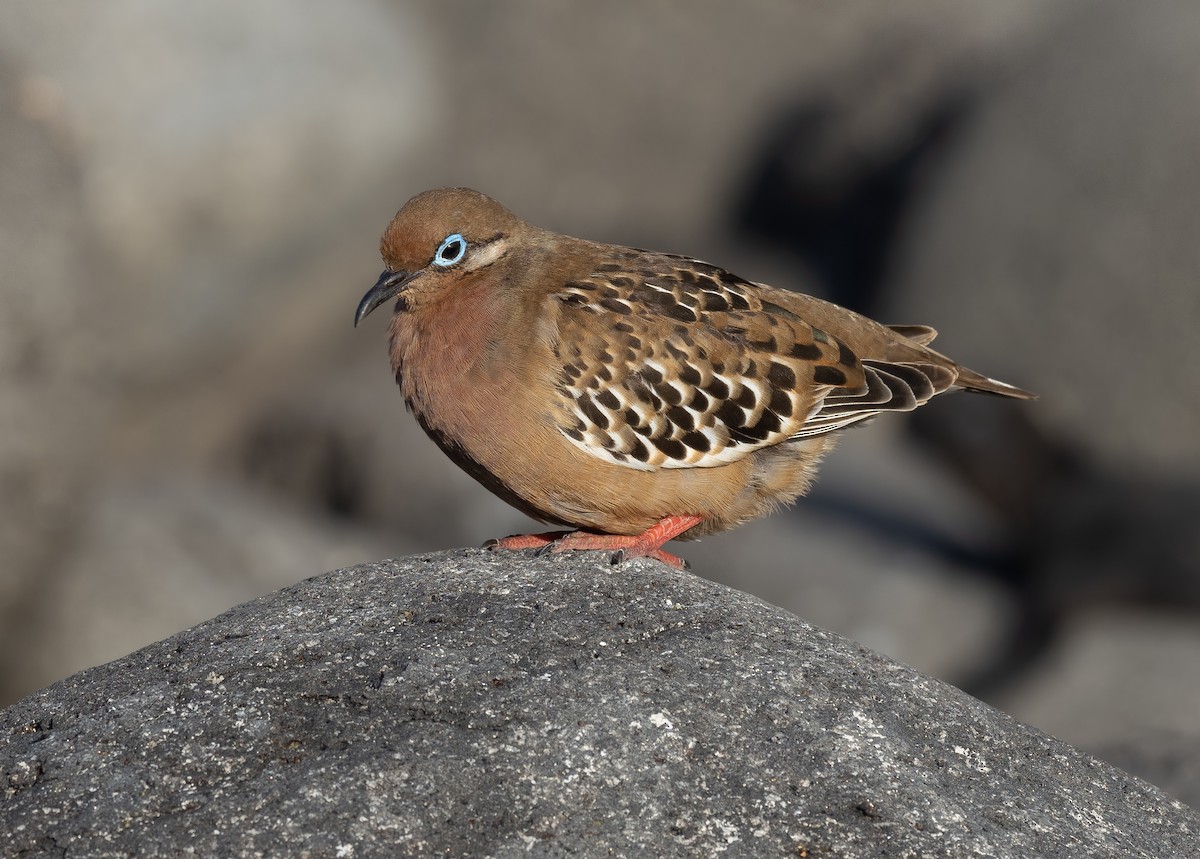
[{"x": 485, "y": 255}]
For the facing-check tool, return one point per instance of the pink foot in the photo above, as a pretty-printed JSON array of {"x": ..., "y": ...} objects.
[
  {"x": 526, "y": 541},
  {"x": 645, "y": 545}
]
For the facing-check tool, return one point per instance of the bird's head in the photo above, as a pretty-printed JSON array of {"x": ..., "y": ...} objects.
[{"x": 435, "y": 241}]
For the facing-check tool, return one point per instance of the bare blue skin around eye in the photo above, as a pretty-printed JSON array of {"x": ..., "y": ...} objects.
[{"x": 452, "y": 249}]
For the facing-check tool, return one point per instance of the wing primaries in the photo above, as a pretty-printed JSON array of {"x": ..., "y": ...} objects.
[
  {"x": 667, "y": 362},
  {"x": 890, "y": 388}
]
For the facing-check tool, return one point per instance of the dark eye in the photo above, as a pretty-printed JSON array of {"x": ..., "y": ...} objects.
[{"x": 452, "y": 249}]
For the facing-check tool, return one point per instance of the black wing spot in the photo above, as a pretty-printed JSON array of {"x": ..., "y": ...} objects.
[
  {"x": 845, "y": 355},
  {"x": 781, "y": 376},
  {"x": 717, "y": 389},
  {"x": 826, "y": 375},
  {"x": 669, "y": 393},
  {"x": 616, "y": 306},
  {"x": 682, "y": 313},
  {"x": 661, "y": 302},
  {"x": 730, "y": 414},
  {"x": 639, "y": 386},
  {"x": 781, "y": 403},
  {"x": 681, "y": 417},
  {"x": 746, "y": 399},
  {"x": 697, "y": 441},
  {"x": 806, "y": 351},
  {"x": 769, "y": 423},
  {"x": 592, "y": 413},
  {"x": 671, "y": 448}
]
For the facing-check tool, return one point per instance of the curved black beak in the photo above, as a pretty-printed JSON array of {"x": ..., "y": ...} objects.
[{"x": 389, "y": 285}]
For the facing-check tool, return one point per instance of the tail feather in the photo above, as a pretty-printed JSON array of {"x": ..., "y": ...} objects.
[{"x": 969, "y": 380}]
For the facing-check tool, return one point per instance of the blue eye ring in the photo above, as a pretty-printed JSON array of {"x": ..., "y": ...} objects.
[{"x": 452, "y": 249}]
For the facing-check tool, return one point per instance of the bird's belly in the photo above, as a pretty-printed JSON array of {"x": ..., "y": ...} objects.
[{"x": 550, "y": 479}]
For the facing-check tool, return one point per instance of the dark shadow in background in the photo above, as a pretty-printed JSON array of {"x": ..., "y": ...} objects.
[
  {"x": 814, "y": 193},
  {"x": 1077, "y": 533}
]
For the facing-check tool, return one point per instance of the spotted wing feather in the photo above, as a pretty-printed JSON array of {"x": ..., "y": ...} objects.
[
  {"x": 667, "y": 362},
  {"x": 670, "y": 363}
]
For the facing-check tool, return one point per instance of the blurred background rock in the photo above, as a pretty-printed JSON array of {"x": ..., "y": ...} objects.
[{"x": 190, "y": 204}]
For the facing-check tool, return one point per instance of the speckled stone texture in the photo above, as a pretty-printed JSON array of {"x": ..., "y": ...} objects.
[{"x": 469, "y": 704}]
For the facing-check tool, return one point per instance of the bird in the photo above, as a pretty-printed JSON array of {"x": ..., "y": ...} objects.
[{"x": 632, "y": 396}]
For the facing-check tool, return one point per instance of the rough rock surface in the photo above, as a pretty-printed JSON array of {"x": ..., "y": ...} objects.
[{"x": 466, "y": 704}]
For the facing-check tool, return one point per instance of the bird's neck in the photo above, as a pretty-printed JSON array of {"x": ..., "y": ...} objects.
[{"x": 454, "y": 344}]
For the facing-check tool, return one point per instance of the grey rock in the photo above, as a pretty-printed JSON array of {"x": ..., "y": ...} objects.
[
  {"x": 1169, "y": 760},
  {"x": 467, "y": 704}
]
